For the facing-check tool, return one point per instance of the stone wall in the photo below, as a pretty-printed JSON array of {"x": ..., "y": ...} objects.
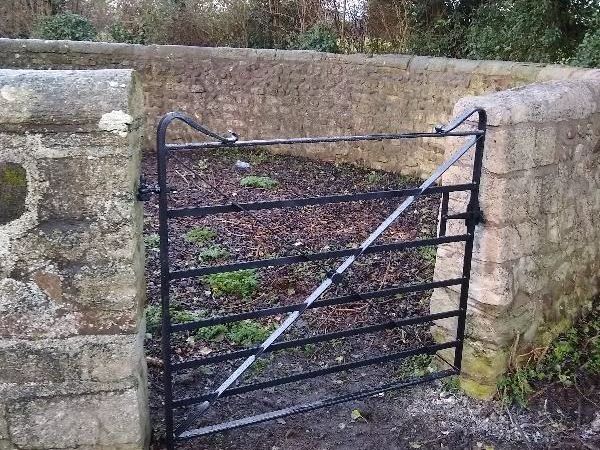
[
  {"x": 536, "y": 262},
  {"x": 72, "y": 371},
  {"x": 273, "y": 93}
]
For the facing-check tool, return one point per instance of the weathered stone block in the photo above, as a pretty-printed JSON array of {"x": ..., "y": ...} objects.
[
  {"x": 97, "y": 421},
  {"x": 94, "y": 358}
]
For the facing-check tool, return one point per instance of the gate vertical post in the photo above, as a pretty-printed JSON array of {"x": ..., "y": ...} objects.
[{"x": 474, "y": 215}]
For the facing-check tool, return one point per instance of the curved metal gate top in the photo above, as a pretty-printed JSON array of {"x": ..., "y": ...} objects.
[{"x": 201, "y": 403}]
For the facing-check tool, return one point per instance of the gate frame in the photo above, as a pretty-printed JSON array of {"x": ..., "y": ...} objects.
[{"x": 472, "y": 217}]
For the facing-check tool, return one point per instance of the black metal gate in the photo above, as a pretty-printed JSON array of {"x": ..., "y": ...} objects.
[{"x": 201, "y": 403}]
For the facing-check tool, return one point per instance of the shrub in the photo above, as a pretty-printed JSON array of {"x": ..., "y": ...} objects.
[
  {"x": 320, "y": 37},
  {"x": 65, "y": 26},
  {"x": 241, "y": 283},
  {"x": 525, "y": 30},
  {"x": 118, "y": 32},
  {"x": 259, "y": 182},
  {"x": 588, "y": 51}
]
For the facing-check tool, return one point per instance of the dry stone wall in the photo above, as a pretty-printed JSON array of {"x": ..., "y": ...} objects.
[
  {"x": 536, "y": 261},
  {"x": 274, "y": 93},
  {"x": 72, "y": 366}
]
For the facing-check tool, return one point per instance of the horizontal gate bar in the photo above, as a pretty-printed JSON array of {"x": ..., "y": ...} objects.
[
  {"x": 309, "y": 201},
  {"x": 315, "y": 339},
  {"x": 297, "y": 259},
  {"x": 321, "y": 140},
  {"x": 297, "y": 409},
  {"x": 404, "y": 289},
  {"x": 428, "y": 349}
]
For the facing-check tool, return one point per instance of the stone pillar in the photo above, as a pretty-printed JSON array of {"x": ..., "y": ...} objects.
[
  {"x": 536, "y": 262},
  {"x": 72, "y": 367}
]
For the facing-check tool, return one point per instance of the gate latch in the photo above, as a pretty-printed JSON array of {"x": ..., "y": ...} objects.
[{"x": 146, "y": 190}]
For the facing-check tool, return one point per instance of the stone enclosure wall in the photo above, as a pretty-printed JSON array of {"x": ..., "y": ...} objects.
[
  {"x": 270, "y": 93},
  {"x": 72, "y": 364},
  {"x": 72, "y": 373}
]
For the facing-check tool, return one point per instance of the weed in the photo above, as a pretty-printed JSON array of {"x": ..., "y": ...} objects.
[
  {"x": 212, "y": 333},
  {"x": 429, "y": 254},
  {"x": 241, "y": 283},
  {"x": 245, "y": 333},
  {"x": 179, "y": 316},
  {"x": 451, "y": 384},
  {"x": 202, "y": 165},
  {"x": 259, "y": 156},
  {"x": 414, "y": 366},
  {"x": 516, "y": 388},
  {"x": 309, "y": 349},
  {"x": 200, "y": 236},
  {"x": 213, "y": 253},
  {"x": 153, "y": 316},
  {"x": 248, "y": 333},
  {"x": 374, "y": 178},
  {"x": 152, "y": 240},
  {"x": 575, "y": 352},
  {"x": 259, "y": 182}
]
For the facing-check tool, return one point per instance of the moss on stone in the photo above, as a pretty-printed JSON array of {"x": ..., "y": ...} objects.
[
  {"x": 482, "y": 391},
  {"x": 13, "y": 191}
]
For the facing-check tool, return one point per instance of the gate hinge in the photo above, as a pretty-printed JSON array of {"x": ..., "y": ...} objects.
[
  {"x": 476, "y": 216},
  {"x": 146, "y": 190}
]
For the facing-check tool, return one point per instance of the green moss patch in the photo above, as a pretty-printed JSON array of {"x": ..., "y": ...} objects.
[{"x": 13, "y": 191}]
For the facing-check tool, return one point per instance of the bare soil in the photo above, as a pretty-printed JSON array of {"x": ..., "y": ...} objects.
[{"x": 426, "y": 416}]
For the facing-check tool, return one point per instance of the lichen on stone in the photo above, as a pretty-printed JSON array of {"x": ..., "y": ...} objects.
[{"x": 116, "y": 122}]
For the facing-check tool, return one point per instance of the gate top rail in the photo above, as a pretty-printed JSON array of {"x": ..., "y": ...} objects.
[{"x": 233, "y": 139}]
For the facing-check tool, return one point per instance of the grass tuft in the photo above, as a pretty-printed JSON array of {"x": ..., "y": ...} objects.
[
  {"x": 213, "y": 253},
  {"x": 242, "y": 283},
  {"x": 200, "y": 236}
]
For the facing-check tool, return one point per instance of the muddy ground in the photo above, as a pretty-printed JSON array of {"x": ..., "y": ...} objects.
[{"x": 427, "y": 416}]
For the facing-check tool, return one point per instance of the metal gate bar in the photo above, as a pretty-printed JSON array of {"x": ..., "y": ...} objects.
[{"x": 471, "y": 216}]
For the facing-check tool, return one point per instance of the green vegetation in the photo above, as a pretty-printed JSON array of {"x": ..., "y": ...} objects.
[
  {"x": 244, "y": 333},
  {"x": 572, "y": 354},
  {"x": 200, "y": 236},
  {"x": 259, "y": 182},
  {"x": 588, "y": 51},
  {"x": 374, "y": 178},
  {"x": 320, "y": 37},
  {"x": 555, "y": 31},
  {"x": 414, "y": 366},
  {"x": 13, "y": 191},
  {"x": 429, "y": 254},
  {"x": 213, "y": 253},
  {"x": 242, "y": 283},
  {"x": 154, "y": 316},
  {"x": 152, "y": 240},
  {"x": 65, "y": 26}
]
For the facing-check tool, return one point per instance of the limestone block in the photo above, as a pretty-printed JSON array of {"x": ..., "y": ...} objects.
[
  {"x": 95, "y": 421},
  {"x": 99, "y": 359},
  {"x": 95, "y": 99}
]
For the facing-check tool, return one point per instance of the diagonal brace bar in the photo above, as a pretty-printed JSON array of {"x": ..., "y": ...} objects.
[{"x": 331, "y": 280}]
